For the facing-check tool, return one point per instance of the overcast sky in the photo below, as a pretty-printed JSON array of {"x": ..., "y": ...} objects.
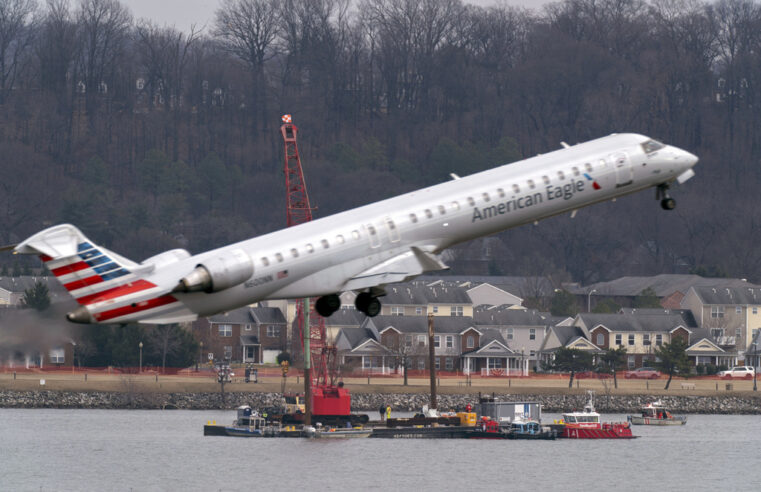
[{"x": 184, "y": 13}]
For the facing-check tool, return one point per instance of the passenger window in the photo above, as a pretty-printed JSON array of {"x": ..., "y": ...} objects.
[
  {"x": 310, "y": 248},
  {"x": 546, "y": 179},
  {"x": 265, "y": 261},
  {"x": 531, "y": 184},
  {"x": 325, "y": 244},
  {"x": 603, "y": 163},
  {"x": 471, "y": 202},
  {"x": 428, "y": 213},
  {"x": 371, "y": 230},
  {"x": 339, "y": 239},
  {"x": 278, "y": 257},
  {"x": 561, "y": 176},
  {"x": 294, "y": 252},
  {"x": 442, "y": 210},
  {"x": 455, "y": 206},
  {"x": 588, "y": 167},
  {"x": 486, "y": 197},
  {"x": 413, "y": 218},
  {"x": 501, "y": 192},
  {"x": 516, "y": 188},
  {"x": 355, "y": 234},
  {"x": 576, "y": 171}
]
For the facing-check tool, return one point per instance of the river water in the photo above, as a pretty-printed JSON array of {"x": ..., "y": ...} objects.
[{"x": 146, "y": 450}]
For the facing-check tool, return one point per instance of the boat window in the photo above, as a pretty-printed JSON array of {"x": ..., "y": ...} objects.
[
  {"x": 486, "y": 197},
  {"x": 428, "y": 213},
  {"x": 531, "y": 184},
  {"x": 471, "y": 202},
  {"x": 516, "y": 188},
  {"x": 325, "y": 244},
  {"x": 455, "y": 206},
  {"x": 546, "y": 179},
  {"x": 561, "y": 175},
  {"x": 588, "y": 167},
  {"x": 413, "y": 218},
  {"x": 651, "y": 146},
  {"x": 339, "y": 239},
  {"x": 265, "y": 261},
  {"x": 310, "y": 248},
  {"x": 278, "y": 257},
  {"x": 501, "y": 192},
  {"x": 442, "y": 210},
  {"x": 575, "y": 171},
  {"x": 294, "y": 252},
  {"x": 355, "y": 234}
]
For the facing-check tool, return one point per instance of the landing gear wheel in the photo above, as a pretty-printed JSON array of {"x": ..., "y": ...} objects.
[
  {"x": 327, "y": 305},
  {"x": 367, "y": 304},
  {"x": 668, "y": 203}
]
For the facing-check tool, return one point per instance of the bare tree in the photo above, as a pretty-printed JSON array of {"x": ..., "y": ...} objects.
[{"x": 17, "y": 28}]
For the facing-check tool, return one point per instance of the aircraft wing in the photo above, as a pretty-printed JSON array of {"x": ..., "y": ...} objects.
[{"x": 399, "y": 268}]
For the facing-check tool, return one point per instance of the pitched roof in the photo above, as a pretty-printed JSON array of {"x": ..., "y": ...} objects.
[
  {"x": 419, "y": 324},
  {"x": 249, "y": 340},
  {"x": 663, "y": 285},
  {"x": 236, "y": 316},
  {"x": 419, "y": 293},
  {"x": 729, "y": 295},
  {"x": 502, "y": 316},
  {"x": 271, "y": 315},
  {"x": 686, "y": 314},
  {"x": 356, "y": 336},
  {"x": 633, "y": 322},
  {"x": 345, "y": 317},
  {"x": 518, "y": 286},
  {"x": 566, "y": 334}
]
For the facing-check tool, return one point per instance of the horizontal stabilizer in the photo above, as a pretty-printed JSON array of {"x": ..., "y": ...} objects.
[{"x": 400, "y": 268}]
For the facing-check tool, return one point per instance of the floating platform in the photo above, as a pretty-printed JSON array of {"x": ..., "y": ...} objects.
[{"x": 443, "y": 432}]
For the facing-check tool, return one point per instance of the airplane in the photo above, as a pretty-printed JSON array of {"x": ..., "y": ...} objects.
[{"x": 360, "y": 250}]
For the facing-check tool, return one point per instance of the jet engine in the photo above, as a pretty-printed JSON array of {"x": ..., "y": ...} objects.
[{"x": 218, "y": 273}]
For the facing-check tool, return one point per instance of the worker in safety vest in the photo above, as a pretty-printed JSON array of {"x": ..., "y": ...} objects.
[{"x": 388, "y": 412}]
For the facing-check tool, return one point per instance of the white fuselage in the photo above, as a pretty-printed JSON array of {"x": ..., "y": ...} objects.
[{"x": 323, "y": 256}]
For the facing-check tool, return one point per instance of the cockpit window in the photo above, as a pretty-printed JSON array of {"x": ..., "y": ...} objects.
[{"x": 651, "y": 146}]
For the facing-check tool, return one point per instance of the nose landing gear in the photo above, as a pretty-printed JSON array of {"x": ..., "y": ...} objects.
[{"x": 662, "y": 194}]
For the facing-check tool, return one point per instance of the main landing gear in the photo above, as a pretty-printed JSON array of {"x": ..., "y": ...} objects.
[
  {"x": 662, "y": 194},
  {"x": 368, "y": 304}
]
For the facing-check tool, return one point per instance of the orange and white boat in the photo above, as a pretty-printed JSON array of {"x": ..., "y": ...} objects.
[{"x": 587, "y": 425}]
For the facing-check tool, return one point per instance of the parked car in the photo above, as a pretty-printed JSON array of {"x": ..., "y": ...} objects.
[
  {"x": 745, "y": 372},
  {"x": 643, "y": 373}
]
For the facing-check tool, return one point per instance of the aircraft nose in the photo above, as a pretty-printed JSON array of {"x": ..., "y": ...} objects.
[{"x": 691, "y": 159}]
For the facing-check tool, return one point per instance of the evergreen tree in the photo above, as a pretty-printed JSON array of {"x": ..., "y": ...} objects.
[
  {"x": 612, "y": 361},
  {"x": 647, "y": 299},
  {"x": 672, "y": 358},
  {"x": 571, "y": 361},
  {"x": 563, "y": 304},
  {"x": 36, "y": 297},
  {"x": 606, "y": 306}
]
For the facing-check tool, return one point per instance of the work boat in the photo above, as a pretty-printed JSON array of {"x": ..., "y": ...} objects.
[
  {"x": 587, "y": 425},
  {"x": 656, "y": 413}
]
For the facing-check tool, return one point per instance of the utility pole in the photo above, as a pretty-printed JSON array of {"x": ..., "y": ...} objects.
[
  {"x": 431, "y": 360},
  {"x": 307, "y": 367}
]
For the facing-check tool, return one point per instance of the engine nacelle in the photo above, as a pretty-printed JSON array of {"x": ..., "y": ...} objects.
[
  {"x": 166, "y": 258},
  {"x": 218, "y": 273}
]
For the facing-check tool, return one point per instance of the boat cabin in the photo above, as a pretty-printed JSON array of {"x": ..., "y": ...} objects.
[
  {"x": 249, "y": 418},
  {"x": 656, "y": 410},
  {"x": 526, "y": 427}
]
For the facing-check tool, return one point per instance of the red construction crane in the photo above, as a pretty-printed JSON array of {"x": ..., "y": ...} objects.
[{"x": 322, "y": 396}]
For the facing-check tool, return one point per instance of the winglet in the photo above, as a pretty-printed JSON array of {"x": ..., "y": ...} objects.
[{"x": 8, "y": 248}]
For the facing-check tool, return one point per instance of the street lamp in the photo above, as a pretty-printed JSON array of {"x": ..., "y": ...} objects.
[
  {"x": 755, "y": 366},
  {"x": 141, "y": 357},
  {"x": 589, "y": 300},
  {"x": 200, "y": 354},
  {"x": 523, "y": 362}
]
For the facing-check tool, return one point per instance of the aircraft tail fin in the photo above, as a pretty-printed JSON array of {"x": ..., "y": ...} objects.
[{"x": 86, "y": 270}]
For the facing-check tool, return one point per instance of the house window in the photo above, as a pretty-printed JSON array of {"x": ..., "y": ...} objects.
[
  {"x": 436, "y": 341},
  {"x": 225, "y": 330},
  {"x": 645, "y": 339},
  {"x": 421, "y": 364},
  {"x": 618, "y": 339},
  {"x": 630, "y": 361},
  {"x": 738, "y": 310},
  {"x": 228, "y": 352},
  {"x": 600, "y": 339},
  {"x": 408, "y": 340},
  {"x": 450, "y": 341},
  {"x": 532, "y": 334},
  {"x": 532, "y": 353},
  {"x": 449, "y": 363},
  {"x": 435, "y": 309},
  {"x": 631, "y": 339},
  {"x": 397, "y": 311},
  {"x": 509, "y": 333},
  {"x": 418, "y": 310},
  {"x": 717, "y": 332},
  {"x": 367, "y": 363},
  {"x": 471, "y": 341},
  {"x": 755, "y": 310},
  {"x": 717, "y": 311},
  {"x": 659, "y": 339},
  {"x": 248, "y": 327},
  {"x": 421, "y": 340},
  {"x": 495, "y": 363},
  {"x": 273, "y": 331},
  {"x": 438, "y": 363},
  {"x": 455, "y": 311},
  {"x": 56, "y": 356}
]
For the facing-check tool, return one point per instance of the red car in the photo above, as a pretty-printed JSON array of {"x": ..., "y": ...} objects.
[{"x": 643, "y": 373}]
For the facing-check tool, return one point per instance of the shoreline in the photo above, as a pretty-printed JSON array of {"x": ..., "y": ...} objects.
[{"x": 723, "y": 404}]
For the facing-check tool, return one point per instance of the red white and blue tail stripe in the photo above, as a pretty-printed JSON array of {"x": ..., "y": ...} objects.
[{"x": 101, "y": 281}]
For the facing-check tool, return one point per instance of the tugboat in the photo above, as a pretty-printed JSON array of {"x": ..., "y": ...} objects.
[
  {"x": 587, "y": 425},
  {"x": 656, "y": 413},
  {"x": 250, "y": 424}
]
